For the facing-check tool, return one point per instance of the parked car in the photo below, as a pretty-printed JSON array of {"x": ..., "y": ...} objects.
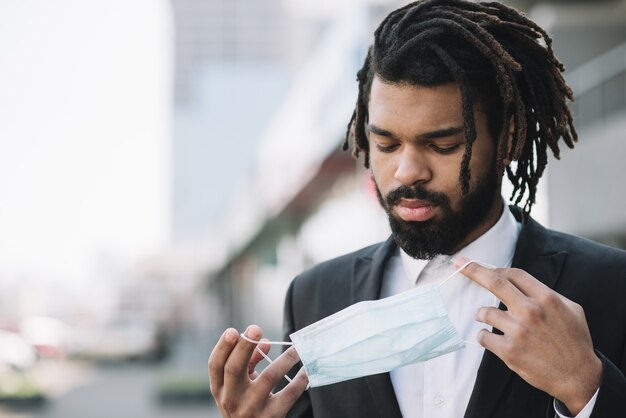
[
  {"x": 49, "y": 336},
  {"x": 126, "y": 337},
  {"x": 15, "y": 351}
]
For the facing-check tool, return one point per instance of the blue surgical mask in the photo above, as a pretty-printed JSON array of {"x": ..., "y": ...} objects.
[{"x": 377, "y": 336}]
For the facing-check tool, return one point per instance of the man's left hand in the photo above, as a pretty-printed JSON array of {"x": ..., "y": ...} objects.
[{"x": 545, "y": 340}]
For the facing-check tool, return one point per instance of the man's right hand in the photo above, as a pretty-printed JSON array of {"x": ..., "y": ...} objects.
[{"x": 239, "y": 390}]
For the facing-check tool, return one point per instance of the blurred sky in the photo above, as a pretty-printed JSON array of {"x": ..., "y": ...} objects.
[{"x": 84, "y": 135}]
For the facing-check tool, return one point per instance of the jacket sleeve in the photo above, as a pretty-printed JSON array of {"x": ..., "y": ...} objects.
[
  {"x": 302, "y": 407},
  {"x": 611, "y": 402}
]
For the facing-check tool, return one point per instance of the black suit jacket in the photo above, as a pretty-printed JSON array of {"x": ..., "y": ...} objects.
[{"x": 588, "y": 273}]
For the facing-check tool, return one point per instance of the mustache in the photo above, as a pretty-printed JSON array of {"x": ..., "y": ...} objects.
[{"x": 415, "y": 192}]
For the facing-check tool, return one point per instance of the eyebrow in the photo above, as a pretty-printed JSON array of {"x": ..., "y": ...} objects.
[{"x": 439, "y": 133}]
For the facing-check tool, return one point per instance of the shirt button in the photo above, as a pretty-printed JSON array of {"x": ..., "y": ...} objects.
[{"x": 439, "y": 401}]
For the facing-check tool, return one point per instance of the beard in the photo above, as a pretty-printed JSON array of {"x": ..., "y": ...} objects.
[{"x": 427, "y": 239}]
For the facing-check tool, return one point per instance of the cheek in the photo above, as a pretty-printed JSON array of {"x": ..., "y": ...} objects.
[
  {"x": 381, "y": 167},
  {"x": 381, "y": 181},
  {"x": 454, "y": 194},
  {"x": 378, "y": 180},
  {"x": 481, "y": 166}
]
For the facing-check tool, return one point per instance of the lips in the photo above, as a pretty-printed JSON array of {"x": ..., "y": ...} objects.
[{"x": 413, "y": 210}]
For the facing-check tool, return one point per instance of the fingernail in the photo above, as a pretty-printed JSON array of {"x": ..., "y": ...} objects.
[
  {"x": 253, "y": 332},
  {"x": 230, "y": 335},
  {"x": 460, "y": 262}
]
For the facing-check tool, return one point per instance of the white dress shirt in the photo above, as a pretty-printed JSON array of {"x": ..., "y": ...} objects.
[{"x": 441, "y": 387}]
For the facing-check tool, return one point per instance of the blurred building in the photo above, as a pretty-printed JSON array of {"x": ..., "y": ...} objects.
[
  {"x": 225, "y": 31},
  {"x": 234, "y": 61},
  {"x": 590, "y": 39}
]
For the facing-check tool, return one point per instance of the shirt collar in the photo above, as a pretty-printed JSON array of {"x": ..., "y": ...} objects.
[{"x": 495, "y": 247}]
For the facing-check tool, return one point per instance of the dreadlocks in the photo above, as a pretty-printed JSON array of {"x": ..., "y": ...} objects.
[{"x": 495, "y": 56}]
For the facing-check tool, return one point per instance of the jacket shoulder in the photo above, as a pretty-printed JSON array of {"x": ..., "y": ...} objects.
[
  {"x": 585, "y": 250},
  {"x": 537, "y": 240}
]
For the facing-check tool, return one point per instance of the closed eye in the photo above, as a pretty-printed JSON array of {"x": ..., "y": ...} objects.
[
  {"x": 386, "y": 148},
  {"x": 444, "y": 150}
]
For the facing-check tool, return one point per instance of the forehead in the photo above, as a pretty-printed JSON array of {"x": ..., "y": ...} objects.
[{"x": 397, "y": 106}]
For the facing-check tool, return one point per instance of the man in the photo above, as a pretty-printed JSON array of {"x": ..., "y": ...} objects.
[{"x": 452, "y": 95}]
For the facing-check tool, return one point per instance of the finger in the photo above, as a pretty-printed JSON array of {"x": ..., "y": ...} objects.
[
  {"x": 492, "y": 342},
  {"x": 276, "y": 371},
  {"x": 525, "y": 282},
  {"x": 494, "y": 317},
  {"x": 257, "y": 357},
  {"x": 236, "y": 367},
  {"x": 496, "y": 282},
  {"x": 219, "y": 356},
  {"x": 286, "y": 397}
]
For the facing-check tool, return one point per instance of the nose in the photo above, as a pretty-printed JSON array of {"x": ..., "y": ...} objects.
[{"x": 413, "y": 168}]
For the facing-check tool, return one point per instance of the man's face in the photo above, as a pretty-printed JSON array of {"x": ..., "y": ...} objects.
[{"x": 416, "y": 146}]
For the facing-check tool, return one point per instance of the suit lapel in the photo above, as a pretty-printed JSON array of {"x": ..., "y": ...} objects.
[
  {"x": 367, "y": 279},
  {"x": 534, "y": 254},
  {"x": 367, "y": 273}
]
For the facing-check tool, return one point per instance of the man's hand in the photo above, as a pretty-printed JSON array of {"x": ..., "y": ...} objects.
[
  {"x": 546, "y": 339},
  {"x": 239, "y": 390}
]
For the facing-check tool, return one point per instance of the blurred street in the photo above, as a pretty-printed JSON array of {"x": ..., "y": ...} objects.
[
  {"x": 126, "y": 389},
  {"x": 116, "y": 391}
]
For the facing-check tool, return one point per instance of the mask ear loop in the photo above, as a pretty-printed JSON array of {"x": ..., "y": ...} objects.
[
  {"x": 444, "y": 281},
  {"x": 489, "y": 266},
  {"x": 250, "y": 340},
  {"x": 265, "y": 356}
]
